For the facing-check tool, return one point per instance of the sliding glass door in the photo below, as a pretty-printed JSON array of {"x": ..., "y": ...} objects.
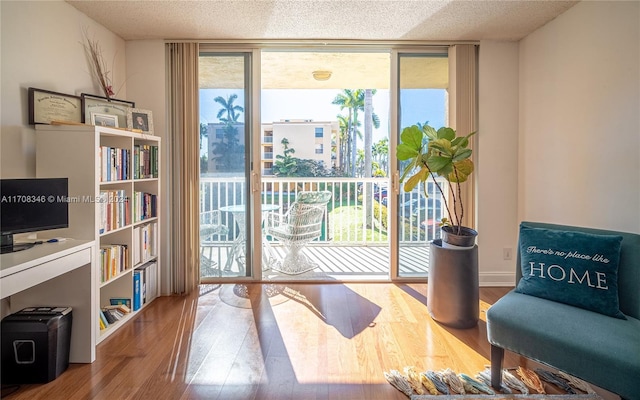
[
  {"x": 278, "y": 122},
  {"x": 225, "y": 145},
  {"x": 325, "y": 128},
  {"x": 423, "y": 80}
]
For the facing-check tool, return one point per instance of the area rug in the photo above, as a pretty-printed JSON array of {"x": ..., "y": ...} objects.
[
  {"x": 509, "y": 397},
  {"x": 556, "y": 385}
]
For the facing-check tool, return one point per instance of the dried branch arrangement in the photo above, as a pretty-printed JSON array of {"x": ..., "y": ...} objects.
[{"x": 100, "y": 71}]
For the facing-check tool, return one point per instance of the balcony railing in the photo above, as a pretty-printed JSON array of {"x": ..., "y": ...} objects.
[{"x": 357, "y": 213}]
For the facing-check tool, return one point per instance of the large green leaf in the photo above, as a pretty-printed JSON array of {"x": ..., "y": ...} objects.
[
  {"x": 462, "y": 171},
  {"x": 441, "y": 145},
  {"x": 412, "y": 182},
  {"x": 412, "y": 137},
  {"x": 437, "y": 163},
  {"x": 446, "y": 133},
  {"x": 431, "y": 133},
  {"x": 461, "y": 154},
  {"x": 406, "y": 152}
]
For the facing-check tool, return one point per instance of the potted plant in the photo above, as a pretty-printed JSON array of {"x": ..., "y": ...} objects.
[
  {"x": 446, "y": 155},
  {"x": 453, "y": 289}
]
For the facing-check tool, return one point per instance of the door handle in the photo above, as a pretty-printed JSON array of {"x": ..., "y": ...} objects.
[
  {"x": 395, "y": 182},
  {"x": 254, "y": 182}
]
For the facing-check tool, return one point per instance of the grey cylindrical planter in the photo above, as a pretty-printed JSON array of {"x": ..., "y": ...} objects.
[{"x": 453, "y": 289}]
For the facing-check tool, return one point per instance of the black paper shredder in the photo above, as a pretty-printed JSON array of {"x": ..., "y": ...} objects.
[{"x": 35, "y": 344}]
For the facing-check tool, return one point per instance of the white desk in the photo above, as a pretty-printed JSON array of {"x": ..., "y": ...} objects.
[{"x": 56, "y": 274}]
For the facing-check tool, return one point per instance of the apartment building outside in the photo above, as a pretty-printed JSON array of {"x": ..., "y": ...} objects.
[{"x": 314, "y": 140}]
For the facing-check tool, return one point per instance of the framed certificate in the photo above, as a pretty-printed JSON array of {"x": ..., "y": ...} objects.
[
  {"x": 46, "y": 106},
  {"x": 101, "y": 105}
]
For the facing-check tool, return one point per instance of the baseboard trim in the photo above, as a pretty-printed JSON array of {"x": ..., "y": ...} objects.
[{"x": 497, "y": 279}]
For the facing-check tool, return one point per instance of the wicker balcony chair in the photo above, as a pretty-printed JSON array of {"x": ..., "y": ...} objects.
[
  {"x": 210, "y": 225},
  {"x": 300, "y": 225}
]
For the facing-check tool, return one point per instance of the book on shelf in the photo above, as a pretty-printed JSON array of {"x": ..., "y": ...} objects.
[
  {"x": 120, "y": 308},
  {"x": 107, "y": 315},
  {"x": 121, "y": 301},
  {"x": 145, "y": 206},
  {"x": 145, "y": 242},
  {"x": 112, "y": 314},
  {"x": 114, "y": 164},
  {"x": 148, "y": 277},
  {"x": 145, "y": 161},
  {"x": 114, "y": 259},
  {"x": 137, "y": 290},
  {"x": 104, "y": 323},
  {"x": 114, "y": 210}
]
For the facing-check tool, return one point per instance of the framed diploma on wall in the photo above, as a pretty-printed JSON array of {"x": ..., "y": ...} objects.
[
  {"x": 46, "y": 106},
  {"x": 102, "y": 105}
]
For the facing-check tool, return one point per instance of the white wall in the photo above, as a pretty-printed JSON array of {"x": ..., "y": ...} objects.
[
  {"x": 497, "y": 161},
  {"x": 146, "y": 83},
  {"x": 579, "y": 150},
  {"x": 559, "y": 129},
  {"x": 42, "y": 47}
]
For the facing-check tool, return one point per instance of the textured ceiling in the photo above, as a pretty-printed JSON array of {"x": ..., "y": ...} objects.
[{"x": 329, "y": 19}]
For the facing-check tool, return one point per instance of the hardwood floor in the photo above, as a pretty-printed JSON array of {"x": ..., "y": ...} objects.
[{"x": 269, "y": 341}]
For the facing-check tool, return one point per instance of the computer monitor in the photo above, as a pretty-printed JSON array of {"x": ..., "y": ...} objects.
[{"x": 31, "y": 205}]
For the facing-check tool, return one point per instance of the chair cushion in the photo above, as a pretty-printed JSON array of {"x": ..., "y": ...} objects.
[
  {"x": 575, "y": 268},
  {"x": 571, "y": 339},
  {"x": 314, "y": 197}
]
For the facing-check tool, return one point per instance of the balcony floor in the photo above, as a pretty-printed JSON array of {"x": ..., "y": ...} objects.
[{"x": 341, "y": 263}]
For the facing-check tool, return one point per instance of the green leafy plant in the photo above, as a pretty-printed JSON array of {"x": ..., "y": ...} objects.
[{"x": 440, "y": 153}]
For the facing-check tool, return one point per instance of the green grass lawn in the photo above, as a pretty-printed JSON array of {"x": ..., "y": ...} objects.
[{"x": 347, "y": 225}]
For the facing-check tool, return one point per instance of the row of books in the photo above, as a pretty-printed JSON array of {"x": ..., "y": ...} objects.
[
  {"x": 114, "y": 259},
  {"x": 114, "y": 164},
  {"x": 145, "y": 242},
  {"x": 145, "y": 280},
  {"x": 114, "y": 210},
  {"x": 113, "y": 313},
  {"x": 145, "y": 206},
  {"x": 145, "y": 161}
]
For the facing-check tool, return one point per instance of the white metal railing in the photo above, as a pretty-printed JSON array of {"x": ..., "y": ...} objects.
[{"x": 357, "y": 212}]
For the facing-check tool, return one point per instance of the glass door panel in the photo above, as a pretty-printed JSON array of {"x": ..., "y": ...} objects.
[
  {"x": 422, "y": 99},
  {"x": 224, "y": 145},
  {"x": 325, "y": 126}
]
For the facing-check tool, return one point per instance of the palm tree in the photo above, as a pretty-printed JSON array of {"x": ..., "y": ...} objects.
[
  {"x": 344, "y": 141},
  {"x": 354, "y": 101},
  {"x": 348, "y": 99},
  {"x": 368, "y": 131},
  {"x": 380, "y": 153},
  {"x": 229, "y": 151},
  {"x": 232, "y": 111},
  {"x": 371, "y": 120}
]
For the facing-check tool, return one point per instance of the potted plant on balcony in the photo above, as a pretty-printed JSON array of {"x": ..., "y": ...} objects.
[
  {"x": 446, "y": 155},
  {"x": 453, "y": 290}
]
